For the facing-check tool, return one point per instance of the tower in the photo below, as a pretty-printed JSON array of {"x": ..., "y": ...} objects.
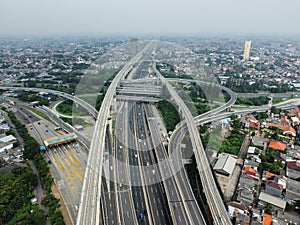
[
  {"x": 261, "y": 55},
  {"x": 247, "y": 50}
]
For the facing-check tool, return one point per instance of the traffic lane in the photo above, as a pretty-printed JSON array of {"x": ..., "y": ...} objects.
[
  {"x": 122, "y": 175},
  {"x": 160, "y": 212},
  {"x": 67, "y": 193},
  {"x": 170, "y": 182},
  {"x": 110, "y": 207},
  {"x": 135, "y": 179}
]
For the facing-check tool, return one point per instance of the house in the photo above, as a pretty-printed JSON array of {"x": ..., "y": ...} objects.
[
  {"x": 267, "y": 175},
  {"x": 293, "y": 169},
  {"x": 267, "y": 219},
  {"x": 288, "y": 130},
  {"x": 253, "y": 150},
  {"x": 274, "y": 188},
  {"x": 295, "y": 113},
  {"x": 285, "y": 120},
  {"x": 292, "y": 189},
  {"x": 251, "y": 172},
  {"x": 225, "y": 164},
  {"x": 251, "y": 122},
  {"x": 258, "y": 141},
  {"x": 8, "y": 139},
  {"x": 239, "y": 211},
  {"x": 277, "y": 145},
  {"x": 247, "y": 188},
  {"x": 4, "y": 127},
  {"x": 5, "y": 145},
  {"x": 252, "y": 163},
  {"x": 295, "y": 121},
  {"x": 277, "y": 203}
]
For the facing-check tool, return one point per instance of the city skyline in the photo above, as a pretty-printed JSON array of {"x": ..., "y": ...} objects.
[{"x": 134, "y": 17}]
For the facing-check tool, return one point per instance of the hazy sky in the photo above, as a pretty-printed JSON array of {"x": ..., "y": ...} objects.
[{"x": 84, "y": 17}]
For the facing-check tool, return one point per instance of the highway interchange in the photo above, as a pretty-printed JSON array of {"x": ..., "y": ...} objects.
[{"x": 127, "y": 177}]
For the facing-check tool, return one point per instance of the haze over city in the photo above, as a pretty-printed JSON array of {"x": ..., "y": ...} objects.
[
  {"x": 139, "y": 112},
  {"x": 91, "y": 17}
]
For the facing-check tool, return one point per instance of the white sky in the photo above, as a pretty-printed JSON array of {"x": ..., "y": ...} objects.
[{"x": 85, "y": 17}]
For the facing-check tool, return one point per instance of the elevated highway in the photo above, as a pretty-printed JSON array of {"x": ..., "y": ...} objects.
[
  {"x": 75, "y": 99},
  {"x": 215, "y": 202},
  {"x": 89, "y": 210}
]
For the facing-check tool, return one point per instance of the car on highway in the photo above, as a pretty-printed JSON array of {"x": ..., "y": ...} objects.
[
  {"x": 148, "y": 163},
  {"x": 141, "y": 216}
]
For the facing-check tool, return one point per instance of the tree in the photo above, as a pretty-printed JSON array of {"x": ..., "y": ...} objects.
[
  {"x": 236, "y": 124},
  {"x": 275, "y": 110},
  {"x": 35, "y": 218},
  {"x": 233, "y": 117},
  {"x": 268, "y": 209}
]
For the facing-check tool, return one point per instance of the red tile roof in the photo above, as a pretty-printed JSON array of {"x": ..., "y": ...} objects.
[
  {"x": 294, "y": 165},
  {"x": 267, "y": 219},
  {"x": 284, "y": 119},
  {"x": 269, "y": 175},
  {"x": 250, "y": 170},
  {"x": 277, "y": 145},
  {"x": 275, "y": 185},
  {"x": 288, "y": 130}
]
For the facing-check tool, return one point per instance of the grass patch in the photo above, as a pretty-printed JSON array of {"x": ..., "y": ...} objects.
[
  {"x": 37, "y": 112},
  {"x": 76, "y": 121},
  {"x": 169, "y": 114}
]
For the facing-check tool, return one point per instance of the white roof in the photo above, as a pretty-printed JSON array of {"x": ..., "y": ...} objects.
[
  {"x": 272, "y": 200},
  {"x": 8, "y": 138},
  {"x": 225, "y": 164},
  {"x": 295, "y": 119},
  {"x": 251, "y": 150}
]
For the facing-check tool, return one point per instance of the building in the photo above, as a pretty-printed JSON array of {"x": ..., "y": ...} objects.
[
  {"x": 247, "y": 50},
  {"x": 239, "y": 211},
  {"x": 258, "y": 141},
  {"x": 253, "y": 150},
  {"x": 276, "y": 202},
  {"x": 292, "y": 190},
  {"x": 277, "y": 145},
  {"x": 251, "y": 122},
  {"x": 251, "y": 172},
  {"x": 247, "y": 189},
  {"x": 4, "y": 127},
  {"x": 285, "y": 120},
  {"x": 274, "y": 188},
  {"x": 8, "y": 139},
  {"x": 288, "y": 130},
  {"x": 5, "y": 146},
  {"x": 295, "y": 121},
  {"x": 267, "y": 175},
  {"x": 225, "y": 164},
  {"x": 293, "y": 169},
  {"x": 54, "y": 141},
  {"x": 267, "y": 219}
]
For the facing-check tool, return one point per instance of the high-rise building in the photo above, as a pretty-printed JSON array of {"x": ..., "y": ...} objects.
[{"x": 247, "y": 50}]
